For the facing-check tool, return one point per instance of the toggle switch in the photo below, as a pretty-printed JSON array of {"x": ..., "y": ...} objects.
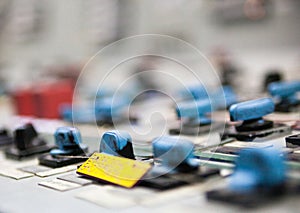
[
  {"x": 174, "y": 153},
  {"x": 27, "y": 142},
  {"x": 175, "y": 165},
  {"x": 69, "y": 145},
  {"x": 117, "y": 143},
  {"x": 194, "y": 118},
  {"x": 253, "y": 126},
  {"x": 259, "y": 177},
  {"x": 285, "y": 95}
]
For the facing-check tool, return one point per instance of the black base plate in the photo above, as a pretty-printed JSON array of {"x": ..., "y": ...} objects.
[
  {"x": 195, "y": 130},
  {"x": 254, "y": 125},
  {"x": 263, "y": 135},
  {"x": 14, "y": 153},
  {"x": 247, "y": 200},
  {"x": 254, "y": 198},
  {"x": 287, "y": 107},
  {"x": 228, "y": 150},
  {"x": 162, "y": 183},
  {"x": 170, "y": 181},
  {"x": 53, "y": 162}
]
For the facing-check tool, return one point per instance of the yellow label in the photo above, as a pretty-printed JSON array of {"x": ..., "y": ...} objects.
[{"x": 121, "y": 171}]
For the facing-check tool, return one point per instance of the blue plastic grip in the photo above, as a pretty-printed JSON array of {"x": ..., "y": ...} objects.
[
  {"x": 81, "y": 114},
  {"x": 258, "y": 168},
  {"x": 172, "y": 151},
  {"x": 193, "y": 109},
  {"x": 224, "y": 97},
  {"x": 284, "y": 89},
  {"x": 196, "y": 92},
  {"x": 230, "y": 96},
  {"x": 253, "y": 109},
  {"x": 67, "y": 139},
  {"x": 104, "y": 108},
  {"x": 114, "y": 141},
  {"x": 109, "y": 107},
  {"x": 67, "y": 136}
]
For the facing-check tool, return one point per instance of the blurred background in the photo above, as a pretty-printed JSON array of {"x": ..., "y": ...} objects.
[{"x": 246, "y": 40}]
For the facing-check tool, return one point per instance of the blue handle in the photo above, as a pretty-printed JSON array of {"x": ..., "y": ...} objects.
[
  {"x": 230, "y": 95},
  {"x": 114, "y": 141},
  {"x": 68, "y": 140},
  {"x": 224, "y": 97},
  {"x": 250, "y": 110},
  {"x": 284, "y": 89},
  {"x": 193, "y": 109},
  {"x": 80, "y": 114},
  {"x": 196, "y": 92},
  {"x": 258, "y": 168},
  {"x": 173, "y": 151},
  {"x": 105, "y": 107},
  {"x": 110, "y": 107}
]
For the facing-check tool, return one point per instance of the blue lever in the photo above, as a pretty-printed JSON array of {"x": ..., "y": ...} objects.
[
  {"x": 284, "y": 89},
  {"x": 251, "y": 110},
  {"x": 117, "y": 143},
  {"x": 107, "y": 108},
  {"x": 285, "y": 95},
  {"x": 224, "y": 97},
  {"x": 196, "y": 110},
  {"x": 77, "y": 114},
  {"x": 230, "y": 96},
  {"x": 257, "y": 168},
  {"x": 196, "y": 92},
  {"x": 68, "y": 140},
  {"x": 174, "y": 153}
]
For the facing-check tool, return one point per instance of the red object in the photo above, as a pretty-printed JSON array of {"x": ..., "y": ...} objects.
[
  {"x": 44, "y": 100},
  {"x": 24, "y": 101},
  {"x": 296, "y": 126}
]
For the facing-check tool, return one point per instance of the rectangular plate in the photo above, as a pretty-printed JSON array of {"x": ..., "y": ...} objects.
[
  {"x": 121, "y": 171},
  {"x": 56, "y": 171},
  {"x": 60, "y": 185},
  {"x": 14, "y": 173},
  {"x": 34, "y": 169},
  {"x": 74, "y": 178}
]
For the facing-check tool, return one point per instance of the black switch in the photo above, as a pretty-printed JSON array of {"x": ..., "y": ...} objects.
[{"x": 27, "y": 142}]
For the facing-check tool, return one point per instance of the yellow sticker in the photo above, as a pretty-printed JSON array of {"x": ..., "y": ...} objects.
[{"x": 121, "y": 171}]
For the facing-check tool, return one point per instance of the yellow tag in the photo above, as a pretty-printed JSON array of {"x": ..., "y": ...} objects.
[{"x": 121, "y": 171}]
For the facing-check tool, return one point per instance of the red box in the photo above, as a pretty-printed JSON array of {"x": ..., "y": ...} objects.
[
  {"x": 44, "y": 100},
  {"x": 24, "y": 102}
]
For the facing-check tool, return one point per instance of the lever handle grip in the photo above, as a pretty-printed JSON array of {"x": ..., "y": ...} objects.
[
  {"x": 284, "y": 89},
  {"x": 250, "y": 110}
]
